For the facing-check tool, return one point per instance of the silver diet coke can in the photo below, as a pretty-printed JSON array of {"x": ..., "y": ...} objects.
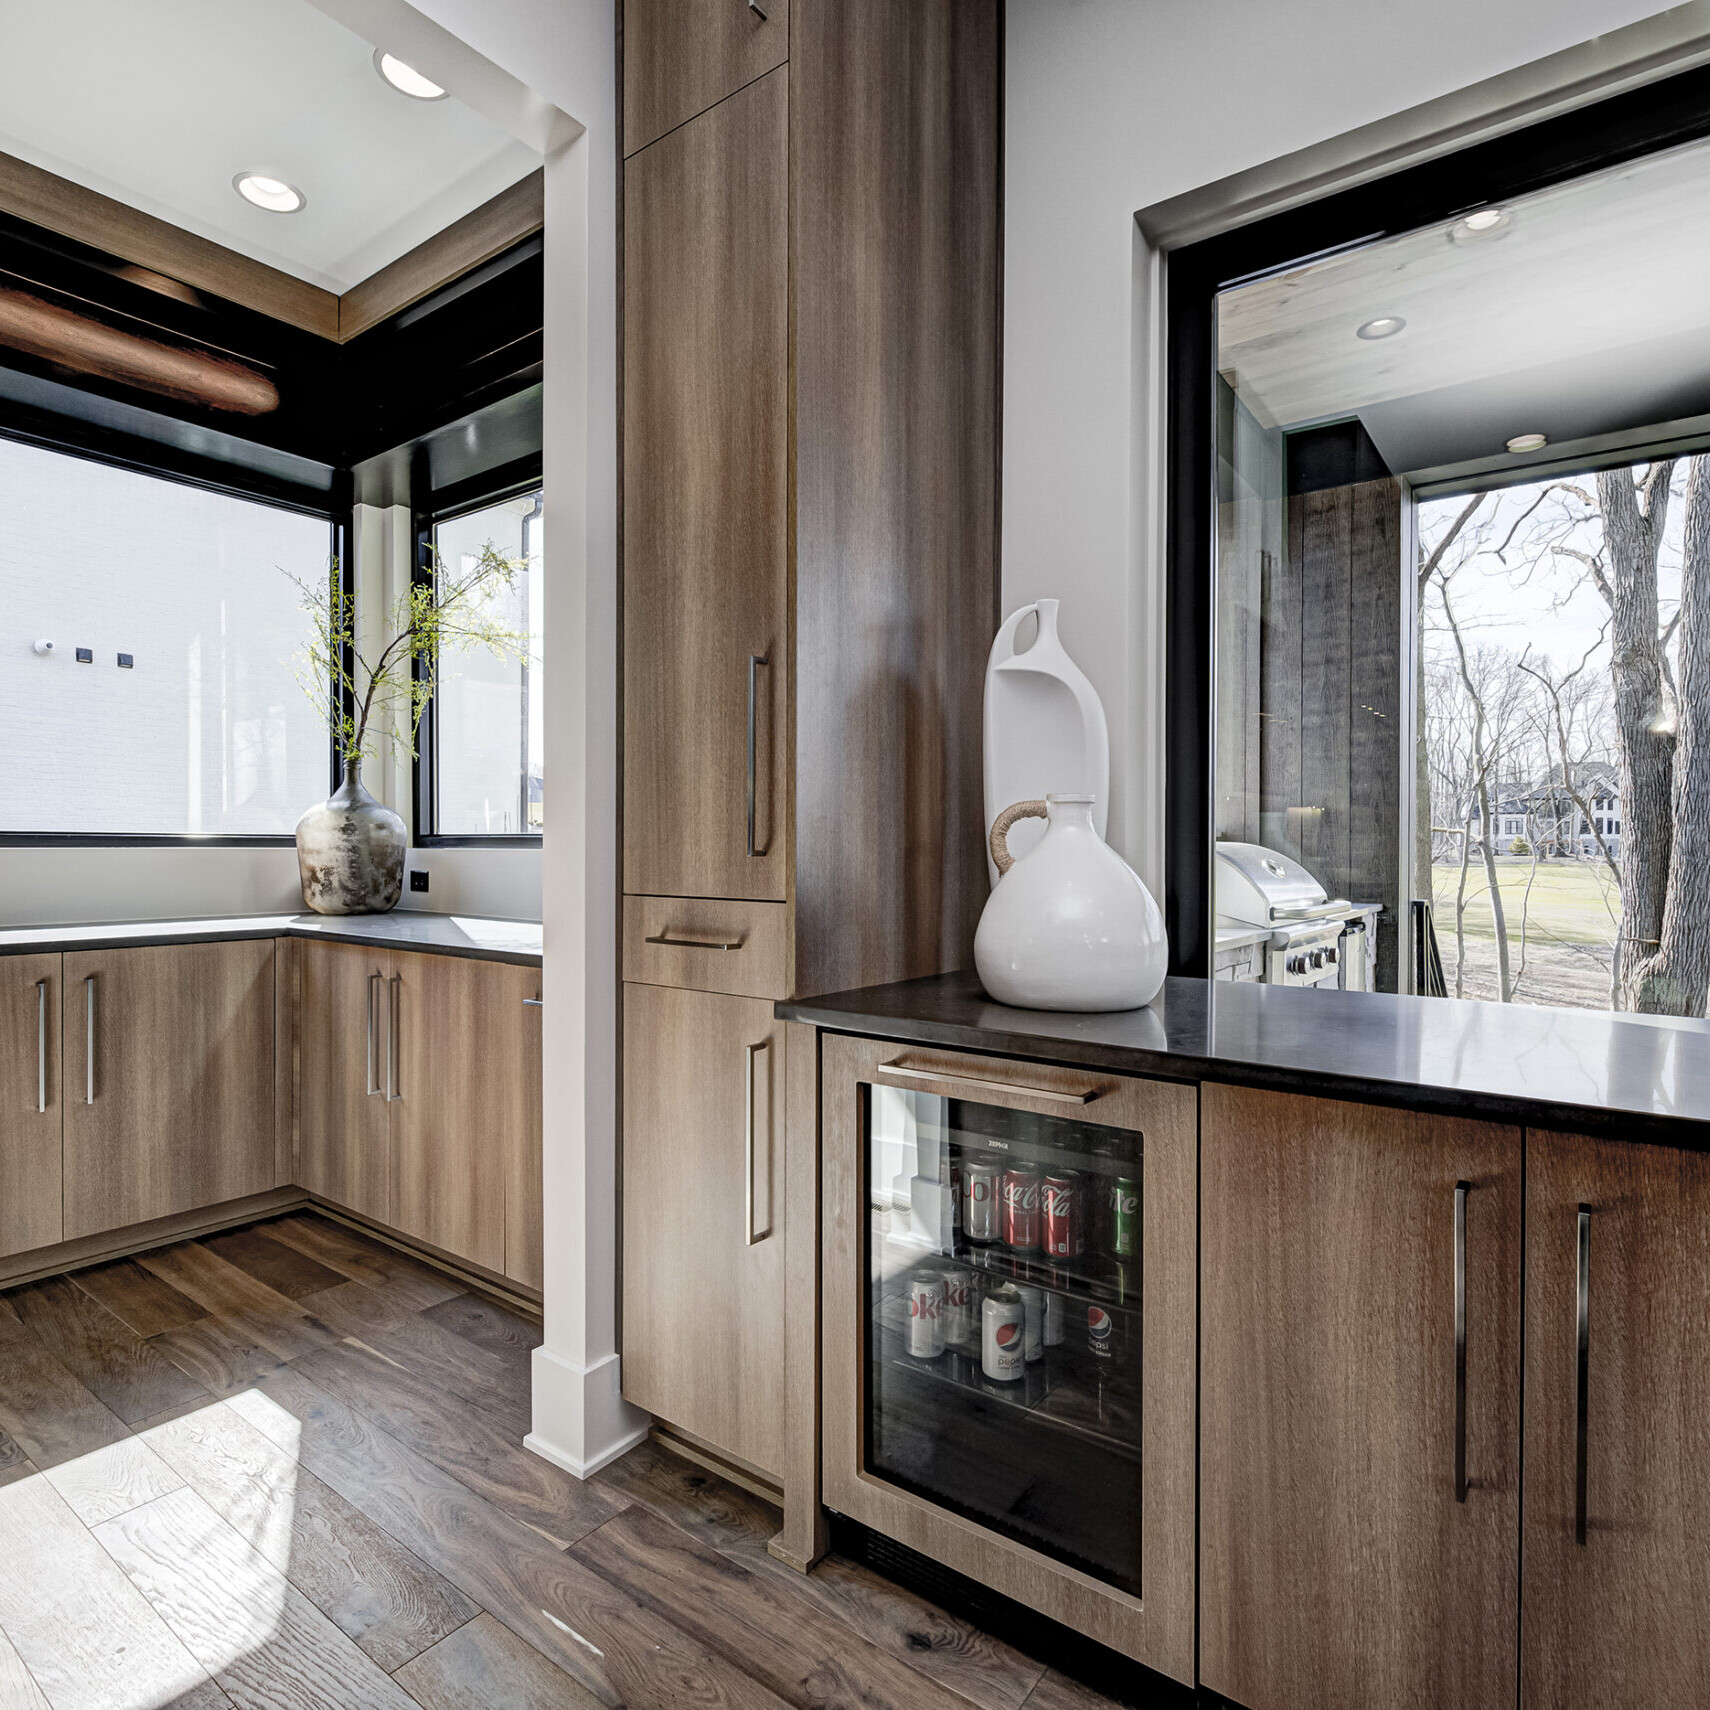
[
  {"x": 1033, "y": 1299},
  {"x": 1003, "y": 1335},
  {"x": 980, "y": 1199},
  {"x": 957, "y": 1307},
  {"x": 924, "y": 1339}
]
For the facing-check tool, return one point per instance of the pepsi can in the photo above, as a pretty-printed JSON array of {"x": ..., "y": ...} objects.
[
  {"x": 1020, "y": 1220},
  {"x": 1101, "y": 1334},
  {"x": 924, "y": 1339},
  {"x": 1003, "y": 1335},
  {"x": 1033, "y": 1342},
  {"x": 980, "y": 1199}
]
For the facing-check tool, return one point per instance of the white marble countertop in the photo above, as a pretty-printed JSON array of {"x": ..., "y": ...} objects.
[{"x": 403, "y": 929}]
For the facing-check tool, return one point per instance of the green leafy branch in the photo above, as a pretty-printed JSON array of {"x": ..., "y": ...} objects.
[{"x": 380, "y": 702}]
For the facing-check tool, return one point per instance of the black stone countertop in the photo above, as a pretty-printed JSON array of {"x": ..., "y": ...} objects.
[
  {"x": 1633, "y": 1077},
  {"x": 405, "y": 929}
]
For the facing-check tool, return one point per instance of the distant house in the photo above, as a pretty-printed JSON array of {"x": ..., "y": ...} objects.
[{"x": 1547, "y": 811}]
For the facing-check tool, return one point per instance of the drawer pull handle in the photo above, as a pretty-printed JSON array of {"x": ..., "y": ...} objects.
[
  {"x": 755, "y": 661},
  {"x": 1582, "y": 1386},
  {"x": 89, "y": 1039},
  {"x": 41, "y": 1046},
  {"x": 394, "y": 1091},
  {"x": 759, "y": 11},
  {"x": 373, "y": 1004},
  {"x": 534, "y": 1003},
  {"x": 1056, "y": 1095},
  {"x": 1462, "y": 1189},
  {"x": 692, "y": 943},
  {"x": 751, "y": 1054}
]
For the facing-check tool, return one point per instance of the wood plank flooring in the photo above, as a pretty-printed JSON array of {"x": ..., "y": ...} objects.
[{"x": 282, "y": 1467}]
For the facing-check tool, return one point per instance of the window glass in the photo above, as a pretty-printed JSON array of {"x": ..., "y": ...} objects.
[
  {"x": 487, "y": 714},
  {"x": 187, "y": 717}
]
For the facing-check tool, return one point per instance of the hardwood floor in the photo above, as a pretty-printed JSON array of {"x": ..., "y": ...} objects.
[{"x": 282, "y": 1467}]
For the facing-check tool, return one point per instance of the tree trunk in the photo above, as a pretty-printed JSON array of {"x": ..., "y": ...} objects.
[
  {"x": 1632, "y": 536},
  {"x": 1461, "y": 908},
  {"x": 1487, "y": 847},
  {"x": 1676, "y": 979}
]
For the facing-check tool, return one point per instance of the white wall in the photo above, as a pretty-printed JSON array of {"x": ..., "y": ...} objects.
[{"x": 1113, "y": 105}]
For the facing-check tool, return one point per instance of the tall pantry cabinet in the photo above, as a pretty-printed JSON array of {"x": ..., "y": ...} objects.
[{"x": 810, "y": 443}]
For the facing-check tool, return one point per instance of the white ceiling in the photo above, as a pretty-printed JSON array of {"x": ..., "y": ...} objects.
[
  {"x": 1587, "y": 313},
  {"x": 159, "y": 103}
]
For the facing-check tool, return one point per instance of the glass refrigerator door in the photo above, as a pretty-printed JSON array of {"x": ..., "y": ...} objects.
[{"x": 1003, "y": 1322}]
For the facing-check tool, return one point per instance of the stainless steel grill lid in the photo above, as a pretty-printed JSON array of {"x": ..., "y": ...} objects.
[{"x": 1263, "y": 887}]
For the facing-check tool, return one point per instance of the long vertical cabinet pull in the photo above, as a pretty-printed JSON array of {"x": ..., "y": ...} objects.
[
  {"x": 1462, "y": 1189},
  {"x": 393, "y": 1091},
  {"x": 1582, "y": 1385},
  {"x": 751, "y": 1055},
  {"x": 373, "y": 1006},
  {"x": 41, "y": 1046},
  {"x": 89, "y": 1039},
  {"x": 755, "y": 661}
]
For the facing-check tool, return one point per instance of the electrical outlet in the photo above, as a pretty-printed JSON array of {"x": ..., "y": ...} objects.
[
  {"x": 418, "y": 879},
  {"x": 86, "y": 656},
  {"x": 126, "y": 662}
]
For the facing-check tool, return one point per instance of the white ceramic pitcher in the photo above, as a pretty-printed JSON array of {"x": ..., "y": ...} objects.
[{"x": 1069, "y": 925}]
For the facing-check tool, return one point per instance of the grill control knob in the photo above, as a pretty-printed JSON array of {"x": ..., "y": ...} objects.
[
  {"x": 1318, "y": 958},
  {"x": 1330, "y": 955}
]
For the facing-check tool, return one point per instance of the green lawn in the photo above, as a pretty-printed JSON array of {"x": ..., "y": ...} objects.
[{"x": 1573, "y": 902}]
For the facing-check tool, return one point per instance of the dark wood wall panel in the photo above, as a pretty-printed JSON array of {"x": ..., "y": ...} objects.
[{"x": 895, "y": 123}]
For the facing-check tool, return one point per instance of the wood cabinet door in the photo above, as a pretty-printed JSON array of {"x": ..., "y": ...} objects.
[
  {"x": 460, "y": 1099},
  {"x": 682, "y": 56},
  {"x": 705, "y": 502},
  {"x": 1616, "y": 1612},
  {"x": 31, "y": 1207},
  {"x": 344, "y": 1150},
  {"x": 168, "y": 1083},
  {"x": 1340, "y": 1565},
  {"x": 703, "y": 1199}
]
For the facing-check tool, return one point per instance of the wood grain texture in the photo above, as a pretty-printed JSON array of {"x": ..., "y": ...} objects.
[
  {"x": 287, "y": 994},
  {"x": 45, "y": 199},
  {"x": 272, "y": 1263},
  {"x": 47, "y": 1413},
  {"x": 378, "y": 1594},
  {"x": 18, "y": 1687},
  {"x": 183, "y": 1111},
  {"x": 525, "y": 1191},
  {"x": 680, "y": 57},
  {"x": 32, "y": 1210},
  {"x": 506, "y": 219},
  {"x": 344, "y": 1133},
  {"x": 406, "y": 1281},
  {"x": 218, "y": 1353},
  {"x": 242, "y": 1620},
  {"x": 1620, "y": 1621},
  {"x": 705, "y": 500},
  {"x": 709, "y": 1360},
  {"x": 758, "y": 967},
  {"x": 236, "y": 1299},
  {"x": 138, "y": 1298},
  {"x": 1157, "y": 1629},
  {"x": 112, "y": 1481},
  {"x": 486, "y": 1663},
  {"x": 895, "y": 125},
  {"x": 1336, "y": 1567},
  {"x": 500, "y": 1332}
]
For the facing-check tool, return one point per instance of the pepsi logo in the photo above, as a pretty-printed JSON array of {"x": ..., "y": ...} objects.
[
  {"x": 1098, "y": 1324},
  {"x": 1006, "y": 1334}
]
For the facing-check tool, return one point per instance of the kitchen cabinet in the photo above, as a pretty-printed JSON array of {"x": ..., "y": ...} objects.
[
  {"x": 1360, "y": 1405},
  {"x": 1615, "y": 1594},
  {"x": 703, "y": 1190},
  {"x": 682, "y": 56},
  {"x": 31, "y": 1174},
  {"x": 167, "y": 1086}
]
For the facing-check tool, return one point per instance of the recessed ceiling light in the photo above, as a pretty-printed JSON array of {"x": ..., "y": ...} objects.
[
  {"x": 273, "y": 194},
  {"x": 1528, "y": 442},
  {"x": 1482, "y": 225},
  {"x": 405, "y": 78},
  {"x": 1385, "y": 326},
  {"x": 1485, "y": 220}
]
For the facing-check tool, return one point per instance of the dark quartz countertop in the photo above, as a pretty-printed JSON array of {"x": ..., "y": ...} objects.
[
  {"x": 404, "y": 929},
  {"x": 1635, "y": 1077}
]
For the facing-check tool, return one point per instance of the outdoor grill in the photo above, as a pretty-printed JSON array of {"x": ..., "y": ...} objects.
[{"x": 1260, "y": 887}]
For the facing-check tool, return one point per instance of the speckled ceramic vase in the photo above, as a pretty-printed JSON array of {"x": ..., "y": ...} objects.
[{"x": 350, "y": 852}]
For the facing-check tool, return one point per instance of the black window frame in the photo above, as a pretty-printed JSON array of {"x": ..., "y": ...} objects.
[
  {"x": 94, "y": 443},
  {"x": 1665, "y": 114},
  {"x": 509, "y": 482}
]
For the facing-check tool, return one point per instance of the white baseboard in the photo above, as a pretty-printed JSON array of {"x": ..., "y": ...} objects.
[{"x": 581, "y": 1421}]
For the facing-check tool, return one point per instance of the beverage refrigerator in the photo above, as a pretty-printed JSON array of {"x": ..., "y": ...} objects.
[{"x": 1008, "y": 1338}]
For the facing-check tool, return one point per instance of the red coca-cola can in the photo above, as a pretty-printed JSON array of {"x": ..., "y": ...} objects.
[
  {"x": 1060, "y": 1203},
  {"x": 1020, "y": 1215}
]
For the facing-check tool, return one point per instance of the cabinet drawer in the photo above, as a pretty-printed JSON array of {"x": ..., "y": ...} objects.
[{"x": 702, "y": 944}]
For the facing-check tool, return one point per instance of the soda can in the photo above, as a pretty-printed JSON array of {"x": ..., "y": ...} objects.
[
  {"x": 1060, "y": 1205},
  {"x": 1101, "y": 1334},
  {"x": 1125, "y": 1218},
  {"x": 1033, "y": 1342},
  {"x": 956, "y": 1309},
  {"x": 924, "y": 1340},
  {"x": 1020, "y": 1220},
  {"x": 1056, "y": 1319},
  {"x": 956, "y": 1193},
  {"x": 1003, "y": 1335},
  {"x": 980, "y": 1199}
]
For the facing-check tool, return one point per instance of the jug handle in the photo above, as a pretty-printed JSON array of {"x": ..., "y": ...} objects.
[{"x": 999, "y": 839}]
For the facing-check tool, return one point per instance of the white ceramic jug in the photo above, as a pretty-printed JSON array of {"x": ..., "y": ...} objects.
[{"x": 1070, "y": 925}]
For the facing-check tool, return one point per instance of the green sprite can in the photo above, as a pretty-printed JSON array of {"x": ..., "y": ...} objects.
[{"x": 1125, "y": 1218}]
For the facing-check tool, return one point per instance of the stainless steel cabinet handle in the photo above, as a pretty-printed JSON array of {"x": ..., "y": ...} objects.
[
  {"x": 394, "y": 1091},
  {"x": 534, "y": 1003},
  {"x": 1582, "y": 1419},
  {"x": 89, "y": 1039},
  {"x": 700, "y": 943},
  {"x": 755, "y": 6},
  {"x": 1056, "y": 1095},
  {"x": 755, "y": 661},
  {"x": 41, "y": 1046},
  {"x": 1462, "y": 1189},
  {"x": 752, "y": 1053},
  {"x": 373, "y": 1003}
]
